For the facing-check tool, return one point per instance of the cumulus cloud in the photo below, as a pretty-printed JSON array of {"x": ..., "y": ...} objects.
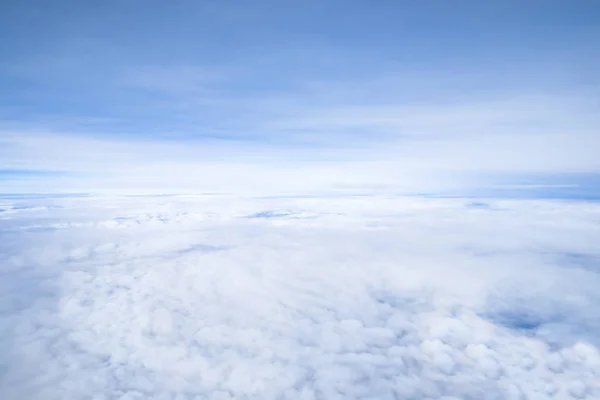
[{"x": 303, "y": 298}]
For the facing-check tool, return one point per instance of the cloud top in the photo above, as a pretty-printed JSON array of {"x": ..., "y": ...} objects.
[{"x": 217, "y": 297}]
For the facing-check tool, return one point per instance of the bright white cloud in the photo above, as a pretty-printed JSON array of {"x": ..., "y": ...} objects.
[{"x": 222, "y": 297}]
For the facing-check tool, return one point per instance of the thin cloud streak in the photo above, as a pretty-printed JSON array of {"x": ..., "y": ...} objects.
[{"x": 410, "y": 147}]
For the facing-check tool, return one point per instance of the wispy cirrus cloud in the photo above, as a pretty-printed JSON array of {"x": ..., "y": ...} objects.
[
  {"x": 407, "y": 146},
  {"x": 254, "y": 93}
]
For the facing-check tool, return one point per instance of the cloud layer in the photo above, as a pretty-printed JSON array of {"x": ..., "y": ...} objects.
[{"x": 303, "y": 298}]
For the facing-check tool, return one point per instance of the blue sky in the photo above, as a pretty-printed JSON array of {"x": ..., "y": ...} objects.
[{"x": 396, "y": 96}]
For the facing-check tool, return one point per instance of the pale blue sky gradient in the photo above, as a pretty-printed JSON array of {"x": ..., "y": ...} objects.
[{"x": 429, "y": 90}]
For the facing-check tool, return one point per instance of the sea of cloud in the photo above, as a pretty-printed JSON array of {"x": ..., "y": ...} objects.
[{"x": 217, "y": 297}]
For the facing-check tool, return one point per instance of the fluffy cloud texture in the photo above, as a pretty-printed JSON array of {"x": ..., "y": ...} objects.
[{"x": 215, "y": 297}]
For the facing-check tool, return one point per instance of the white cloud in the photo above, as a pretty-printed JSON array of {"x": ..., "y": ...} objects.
[{"x": 222, "y": 297}]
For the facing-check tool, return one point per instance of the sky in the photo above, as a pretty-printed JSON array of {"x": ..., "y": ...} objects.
[
  {"x": 221, "y": 199},
  {"x": 462, "y": 97}
]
